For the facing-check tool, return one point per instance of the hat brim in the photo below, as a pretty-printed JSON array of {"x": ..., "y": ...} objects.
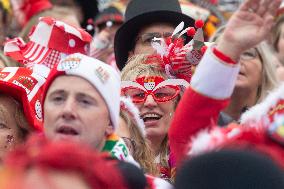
[{"x": 125, "y": 36}]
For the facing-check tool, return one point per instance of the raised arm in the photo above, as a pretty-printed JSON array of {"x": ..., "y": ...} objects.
[{"x": 214, "y": 80}]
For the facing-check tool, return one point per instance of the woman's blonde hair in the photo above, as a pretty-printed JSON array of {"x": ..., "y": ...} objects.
[
  {"x": 269, "y": 80},
  {"x": 142, "y": 152},
  {"x": 276, "y": 32},
  {"x": 138, "y": 66}
]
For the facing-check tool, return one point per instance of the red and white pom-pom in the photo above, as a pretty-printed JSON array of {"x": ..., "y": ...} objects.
[
  {"x": 199, "y": 23},
  {"x": 191, "y": 31},
  {"x": 174, "y": 60},
  {"x": 177, "y": 57}
]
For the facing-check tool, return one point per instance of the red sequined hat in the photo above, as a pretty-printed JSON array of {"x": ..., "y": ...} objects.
[{"x": 25, "y": 86}]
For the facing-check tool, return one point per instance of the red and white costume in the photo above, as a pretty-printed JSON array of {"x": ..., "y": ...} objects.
[
  {"x": 157, "y": 183},
  {"x": 51, "y": 40},
  {"x": 193, "y": 129},
  {"x": 210, "y": 90}
]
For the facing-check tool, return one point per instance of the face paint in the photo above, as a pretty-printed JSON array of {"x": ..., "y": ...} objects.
[
  {"x": 10, "y": 139},
  {"x": 10, "y": 132}
]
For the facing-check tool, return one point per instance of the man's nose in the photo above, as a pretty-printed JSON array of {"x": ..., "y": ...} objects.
[{"x": 69, "y": 109}]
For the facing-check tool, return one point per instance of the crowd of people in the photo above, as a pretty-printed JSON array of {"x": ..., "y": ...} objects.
[{"x": 141, "y": 94}]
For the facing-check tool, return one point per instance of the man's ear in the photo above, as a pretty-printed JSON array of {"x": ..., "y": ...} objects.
[{"x": 109, "y": 129}]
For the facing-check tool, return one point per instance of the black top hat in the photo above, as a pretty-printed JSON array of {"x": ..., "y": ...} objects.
[
  {"x": 140, "y": 13},
  {"x": 230, "y": 169}
]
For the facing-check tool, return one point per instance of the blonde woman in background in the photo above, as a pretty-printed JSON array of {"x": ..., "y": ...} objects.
[
  {"x": 277, "y": 42},
  {"x": 256, "y": 78},
  {"x": 155, "y": 111},
  {"x": 132, "y": 130},
  {"x": 277, "y": 38}
]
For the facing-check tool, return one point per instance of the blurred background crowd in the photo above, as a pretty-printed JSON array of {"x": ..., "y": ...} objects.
[{"x": 142, "y": 94}]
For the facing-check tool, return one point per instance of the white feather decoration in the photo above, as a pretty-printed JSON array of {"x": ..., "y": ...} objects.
[
  {"x": 178, "y": 28},
  {"x": 184, "y": 31}
]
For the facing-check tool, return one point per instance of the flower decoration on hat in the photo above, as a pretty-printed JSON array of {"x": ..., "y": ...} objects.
[
  {"x": 50, "y": 41},
  {"x": 178, "y": 58}
]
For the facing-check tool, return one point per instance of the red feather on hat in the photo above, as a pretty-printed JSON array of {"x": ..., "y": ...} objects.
[{"x": 177, "y": 57}]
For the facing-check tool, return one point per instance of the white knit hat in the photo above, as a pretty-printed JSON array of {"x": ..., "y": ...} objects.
[{"x": 102, "y": 76}]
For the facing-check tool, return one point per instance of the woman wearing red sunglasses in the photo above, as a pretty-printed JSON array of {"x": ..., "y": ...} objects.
[
  {"x": 156, "y": 96},
  {"x": 211, "y": 89}
]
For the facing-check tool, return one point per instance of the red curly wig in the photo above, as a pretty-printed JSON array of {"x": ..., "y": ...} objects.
[{"x": 98, "y": 170}]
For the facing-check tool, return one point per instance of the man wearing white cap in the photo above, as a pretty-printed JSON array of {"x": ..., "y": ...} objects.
[{"x": 81, "y": 103}]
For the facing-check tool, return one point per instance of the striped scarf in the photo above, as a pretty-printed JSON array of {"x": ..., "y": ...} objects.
[{"x": 118, "y": 149}]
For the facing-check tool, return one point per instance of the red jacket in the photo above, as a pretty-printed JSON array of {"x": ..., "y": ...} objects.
[{"x": 211, "y": 87}]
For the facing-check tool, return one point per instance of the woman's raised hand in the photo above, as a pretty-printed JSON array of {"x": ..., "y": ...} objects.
[{"x": 248, "y": 26}]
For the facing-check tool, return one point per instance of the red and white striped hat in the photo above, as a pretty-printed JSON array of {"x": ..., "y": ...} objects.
[
  {"x": 50, "y": 41},
  {"x": 25, "y": 86}
]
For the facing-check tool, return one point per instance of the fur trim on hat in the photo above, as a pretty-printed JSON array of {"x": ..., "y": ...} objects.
[
  {"x": 257, "y": 112},
  {"x": 237, "y": 137},
  {"x": 209, "y": 140}
]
